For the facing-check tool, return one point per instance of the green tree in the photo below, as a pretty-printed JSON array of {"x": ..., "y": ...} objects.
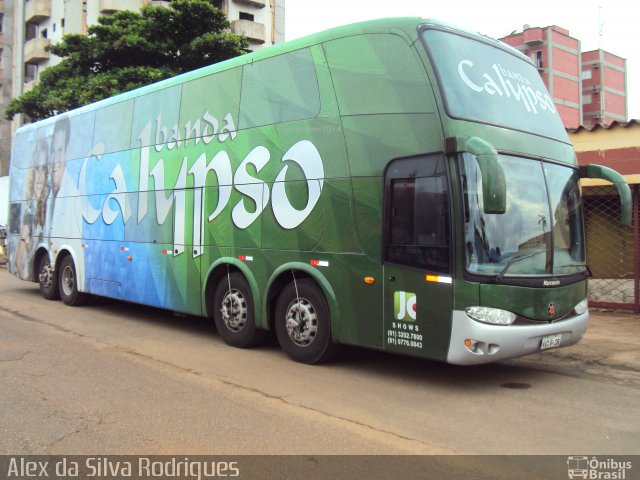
[{"x": 127, "y": 50}]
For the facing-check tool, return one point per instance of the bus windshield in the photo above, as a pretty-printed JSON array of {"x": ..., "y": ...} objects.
[
  {"x": 482, "y": 82},
  {"x": 540, "y": 233}
]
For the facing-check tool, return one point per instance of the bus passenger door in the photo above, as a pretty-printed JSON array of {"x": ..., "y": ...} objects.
[{"x": 418, "y": 286}]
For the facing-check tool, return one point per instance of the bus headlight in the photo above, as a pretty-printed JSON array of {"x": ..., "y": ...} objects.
[
  {"x": 582, "y": 307},
  {"x": 494, "y": 316}
]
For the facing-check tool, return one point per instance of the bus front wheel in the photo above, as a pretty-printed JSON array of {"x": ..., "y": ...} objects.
[
  {"x": 303, "y": 323},
  {"x": 233, "y": 312},
  {"x": 68, "y": 283},
  {"x": 47, "y": 279}
]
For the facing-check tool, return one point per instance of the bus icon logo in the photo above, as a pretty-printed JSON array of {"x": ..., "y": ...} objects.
[
  {"x": 578, "y": 467},
  {"x": 404, "y": 306}
]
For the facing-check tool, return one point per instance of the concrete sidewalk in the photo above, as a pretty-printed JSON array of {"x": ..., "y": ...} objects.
[{"x": 610, "y": 351}]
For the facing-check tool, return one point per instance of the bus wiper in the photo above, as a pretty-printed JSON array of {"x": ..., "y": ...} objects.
[
  {"x": 576, "y": 265},
  {"x": 516, "y": 260}
]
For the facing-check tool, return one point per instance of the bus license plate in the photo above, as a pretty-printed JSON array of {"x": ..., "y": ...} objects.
[{"x": 550, "y": 341}]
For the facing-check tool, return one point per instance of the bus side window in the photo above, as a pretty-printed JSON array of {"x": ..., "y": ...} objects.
[
  {"x": 279, "y": 89},
  {"x": 378, "y": 73},
  {"x": 211, "y": 98},
  {"x": 417, "y": 211},
  {"x": 153, "y": 114},
  {"x": 113, "y": 127}
]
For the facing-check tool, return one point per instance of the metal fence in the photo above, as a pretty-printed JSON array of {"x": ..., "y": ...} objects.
[{"x": 612, "y": 250}]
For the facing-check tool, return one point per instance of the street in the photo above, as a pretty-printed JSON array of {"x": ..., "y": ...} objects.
[{"x": 117, "y": 378}]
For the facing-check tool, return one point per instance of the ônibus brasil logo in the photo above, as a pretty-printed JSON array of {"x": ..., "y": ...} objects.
[
  {"x": 595, "y": 468},
  {"x": 404, "y": 306}
]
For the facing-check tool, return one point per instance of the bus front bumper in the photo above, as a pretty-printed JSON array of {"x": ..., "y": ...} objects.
[{"x": 499, "y": 342}]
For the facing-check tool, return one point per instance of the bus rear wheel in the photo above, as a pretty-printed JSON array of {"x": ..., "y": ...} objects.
[
  {"x": 234, "y": 314},
  {"x": 47, "y": 279},
  {"x": 68, "y": 283},
  {"x": 303, "y": 323}
]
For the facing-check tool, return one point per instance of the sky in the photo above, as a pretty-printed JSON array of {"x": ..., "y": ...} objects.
[{"x": 610, "y": 25}]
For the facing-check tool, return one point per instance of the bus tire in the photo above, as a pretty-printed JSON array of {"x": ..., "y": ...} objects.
[
  {"x": 303, "y": 323},
  {"x": 234, "y": 314},
  {"x": 68, "y": 283},
  {"x": 47, "y": 279}
]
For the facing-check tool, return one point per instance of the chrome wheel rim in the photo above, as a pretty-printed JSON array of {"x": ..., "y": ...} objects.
[
  {"x": 68, "y": 280},
  {"x": 234, "y": 310},
  {"x": 302, "y": 322}
]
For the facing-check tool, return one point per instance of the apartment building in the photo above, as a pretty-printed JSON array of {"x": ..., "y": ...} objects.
[
  {"x": 6, "y": 90},
  {"x": 604, "y": 88},
  {"x": 588, "y": 88},
  {"x": 35, "y": 24},
  {"x": 557, "y": 56},
  {"x": 46, "y": 21}
]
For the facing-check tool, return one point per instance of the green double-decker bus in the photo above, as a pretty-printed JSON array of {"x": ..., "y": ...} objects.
[{"x": 399, "y": 184}]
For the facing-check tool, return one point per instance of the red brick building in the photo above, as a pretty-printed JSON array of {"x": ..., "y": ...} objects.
[
  {"x": 604, "y": 87},
  {"x": 588, "y": 88},
  {"x": 557, "y": 56}
]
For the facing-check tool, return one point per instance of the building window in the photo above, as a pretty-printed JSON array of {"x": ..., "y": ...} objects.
[
  {"x": 30, "y": 72},
  {"x": 586, "y": 74},
  {"x": 246, "y": 16},
  {"x": 1, "y": 21},
  {"x": 31, "y": 31},
  {"x": 537, "y": 59},
  {"x": 587, "y": 99}
]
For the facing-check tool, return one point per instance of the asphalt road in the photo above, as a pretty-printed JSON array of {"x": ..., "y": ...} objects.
[{"x": 117, "y": 378}]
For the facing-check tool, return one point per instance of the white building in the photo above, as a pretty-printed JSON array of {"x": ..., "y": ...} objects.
[{"x": 30, "y": 25}]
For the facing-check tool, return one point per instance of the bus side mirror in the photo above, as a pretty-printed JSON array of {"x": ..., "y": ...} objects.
[
  {"x": 494, "y": 184},
  {"x": 610, "y": 175}
]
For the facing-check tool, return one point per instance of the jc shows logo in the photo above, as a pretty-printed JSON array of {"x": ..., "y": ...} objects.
[{"x": 404, "y": 305}]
